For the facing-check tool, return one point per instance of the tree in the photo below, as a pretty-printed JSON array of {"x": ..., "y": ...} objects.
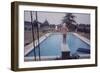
[
  {"x": 35, "y": 23},
  {"x": 46, "y": 23},
  {"x": 69, "y": 19}
]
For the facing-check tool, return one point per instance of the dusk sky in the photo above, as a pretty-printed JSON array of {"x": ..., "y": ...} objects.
[{"x": 56, "y": 17}]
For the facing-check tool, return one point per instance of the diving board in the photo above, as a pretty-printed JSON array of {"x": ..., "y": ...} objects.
[{"x": 65, "y": 51}]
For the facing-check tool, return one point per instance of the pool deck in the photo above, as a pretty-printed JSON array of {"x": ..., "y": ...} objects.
[
  {"x": 82, "y": 38},
  {"x": 42, "y": 58},
  {"x": 30, "y": 47},
  {"x": 64, "y": 47},
  {"x": 65, "y": 51},
  {"x": 82, "y": 56}
]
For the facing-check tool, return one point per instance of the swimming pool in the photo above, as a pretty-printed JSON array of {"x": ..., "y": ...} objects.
[
  {"x": 52, "y": 45},
  {"x": 75, "y": 43}
]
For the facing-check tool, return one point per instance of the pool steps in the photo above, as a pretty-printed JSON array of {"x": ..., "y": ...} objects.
[{"x": 30, "y": 47}]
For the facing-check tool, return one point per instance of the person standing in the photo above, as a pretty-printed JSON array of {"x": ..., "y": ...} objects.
[{"x": 64, "y": 30}]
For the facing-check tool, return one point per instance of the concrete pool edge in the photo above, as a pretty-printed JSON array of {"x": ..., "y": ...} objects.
[
  {"x": 42, "y": 58},
  {"x": 82, "y": 38},
  {"x": 29, "y": 47}
]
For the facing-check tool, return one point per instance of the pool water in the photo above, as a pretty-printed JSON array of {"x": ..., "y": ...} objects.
[
  {"x": 75, "y": 43},
  {"x": 51, "y": 46}
]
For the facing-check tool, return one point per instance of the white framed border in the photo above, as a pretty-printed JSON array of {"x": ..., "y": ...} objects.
[{"x": 34, "y": 64}]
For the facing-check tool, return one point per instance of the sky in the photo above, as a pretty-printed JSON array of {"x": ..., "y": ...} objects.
[{"x": 56, "y": 17}]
